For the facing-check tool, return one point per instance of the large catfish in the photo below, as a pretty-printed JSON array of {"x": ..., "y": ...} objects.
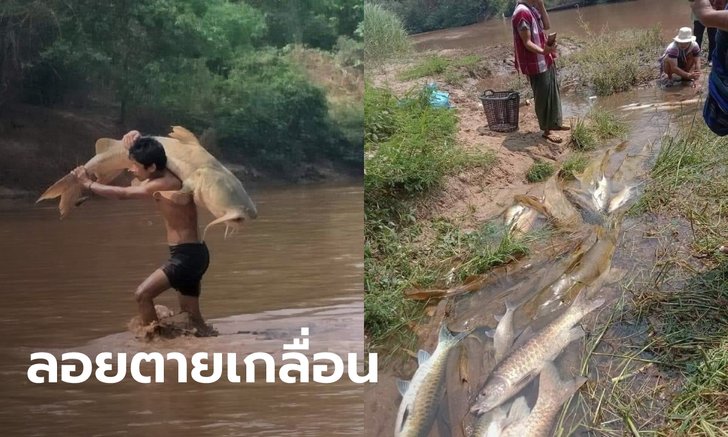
[{"x": 211, "y": 184}]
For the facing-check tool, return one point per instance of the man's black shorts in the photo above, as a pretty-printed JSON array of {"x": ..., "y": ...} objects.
[{"x": 185, "y": 267}]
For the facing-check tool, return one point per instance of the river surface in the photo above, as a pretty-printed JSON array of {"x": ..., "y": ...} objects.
[
  {"x": 670, "y": 15},
  {"x": 67, "y": 286}
]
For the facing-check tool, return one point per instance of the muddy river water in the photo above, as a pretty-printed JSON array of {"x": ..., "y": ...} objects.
[
  {"x": 67, "y": 286},
  {"x": 584, "y": 257}
]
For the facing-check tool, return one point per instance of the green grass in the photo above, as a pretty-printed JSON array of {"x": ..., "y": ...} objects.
[
  {"x": 607, "y": 125},
  {"x": 429, "y": 66},
  {"x": 598, "y": 125},
  {"x": 453, "y": 70},
  {"x": 583, "y": 136},
  {"x": 385, "y": 35},
  {"x": 409, "y": 149},
  {"x": 539, "y": 171},
  {"x": 610, "y": 62},
  {"x": 689, "y": 180},
  {"x": 573, "y": 165},
  {"x": 669, "y": 376}
]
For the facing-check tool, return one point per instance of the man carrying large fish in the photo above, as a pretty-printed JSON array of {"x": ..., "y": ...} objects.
[
  {"x": 179, "y": 175},
  {"x": 189, "y": 257}
]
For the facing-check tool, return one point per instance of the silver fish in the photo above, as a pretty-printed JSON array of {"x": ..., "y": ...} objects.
[
  {"x": 552, "y": 394},
  {"x": 422, "y": 395},
  {"x": 620, "y": 199},
  {"x": 503, "y": 334},
  {"x": 524, "y": 363}
]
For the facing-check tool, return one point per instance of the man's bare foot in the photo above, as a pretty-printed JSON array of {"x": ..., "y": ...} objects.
[{"x": 553, "y": 138}]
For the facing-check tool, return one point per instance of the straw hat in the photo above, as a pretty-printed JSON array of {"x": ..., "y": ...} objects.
[{"x": 685, "y": 34}]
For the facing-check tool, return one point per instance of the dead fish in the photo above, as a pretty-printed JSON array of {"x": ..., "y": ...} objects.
[
  {"x": 601, "y": 194},
  {"x": 211, "y": 184},
  {"x": 421, "y": 396},
  {"x": 490, "y": 424},
  {"x": 512, "y": 214},
  {"x": 586, "y": 267},
  {"x": 503, "y": 334},
  {"x": 494, "y": 422},
  {"x": 620, "y": 198},
  {"x": 660, "y": 105},
  {"x": 552, "y": 394},
  {"x": 524, "y": 363}
]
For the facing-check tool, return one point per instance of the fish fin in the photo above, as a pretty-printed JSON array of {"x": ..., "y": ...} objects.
[
  {"x": 184, "y": 136},
  {"x": 69, "y": 198},
  {"x": 422, "y": 357},
  {"x": 58, "y": 188},
  {"x": 552, "y": 386},
  {"x": 176, "y": 197},
  {"x": 490, "y": 333},
  {"x": 229, "y": 216},
  {"x": 576, "y": 333},
  {"x": 104, "y": 144},
  {"x": 522, "y": 338},
  {"x": 497, "y": 317},
  {"x": 519, "y": 410},
  {"x": 446, "y": 335},
  {"x": 402, "y": 386}
]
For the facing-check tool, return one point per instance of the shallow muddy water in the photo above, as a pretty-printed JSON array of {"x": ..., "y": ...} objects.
[{"x": 67, "y": 286}]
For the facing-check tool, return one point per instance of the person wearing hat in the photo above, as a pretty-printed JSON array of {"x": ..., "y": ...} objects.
[
  {"x": 681, "y": 58},
  {"x": 535, "y": 58}
]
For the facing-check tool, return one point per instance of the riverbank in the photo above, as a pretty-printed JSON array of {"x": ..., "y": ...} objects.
[{"x": 467, "y": 201}]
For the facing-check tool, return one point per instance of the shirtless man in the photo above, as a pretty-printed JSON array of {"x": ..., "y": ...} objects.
[{"x": 189, "y": 257}]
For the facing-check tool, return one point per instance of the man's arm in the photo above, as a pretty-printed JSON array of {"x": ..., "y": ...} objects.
[
  {"x": 525, "y": 34},
  {"x": 708, "y": 16},
  {"x": 143, "y": 191}
]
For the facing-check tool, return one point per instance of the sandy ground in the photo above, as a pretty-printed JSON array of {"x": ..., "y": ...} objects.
[{"x": 474, "y": 195}]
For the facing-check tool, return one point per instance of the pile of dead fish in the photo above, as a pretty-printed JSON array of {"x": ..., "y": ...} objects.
[{"x": 597, "y": 202}]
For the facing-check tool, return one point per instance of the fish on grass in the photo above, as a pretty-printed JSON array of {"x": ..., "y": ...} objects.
[
  {"x": 422, "y": 395},
  {"x": 553, "y": 392},
  {"x": 211, "y": 185},
  {"x": 525, "y": 362}
]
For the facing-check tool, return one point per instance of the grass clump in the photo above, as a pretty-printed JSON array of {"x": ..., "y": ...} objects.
[
  {"x": 430, "y": 66},
  {"x": 689, "y": 180},
  {"x": 611, "y": 62},
  {"x": 453, "y": 70},
  {"x": 598, "y": 125},
  {"x": 574, "y": 164},
  {"x": 583, "y": 136},
  {"x": 409, "y": 148},
  {"x": 384, "y": 34},
  {"x": 539, "y": 171}
]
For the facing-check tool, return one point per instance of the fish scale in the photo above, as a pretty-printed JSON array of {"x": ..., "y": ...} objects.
[
  {"x": 525, "y": 362},
  {"x": 422, "y": 395}
]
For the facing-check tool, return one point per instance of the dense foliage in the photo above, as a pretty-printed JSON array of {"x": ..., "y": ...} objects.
[{"x": 221, "y": 64}]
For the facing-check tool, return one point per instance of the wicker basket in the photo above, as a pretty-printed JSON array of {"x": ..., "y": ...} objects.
[{"x": 501, "y": 110}]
